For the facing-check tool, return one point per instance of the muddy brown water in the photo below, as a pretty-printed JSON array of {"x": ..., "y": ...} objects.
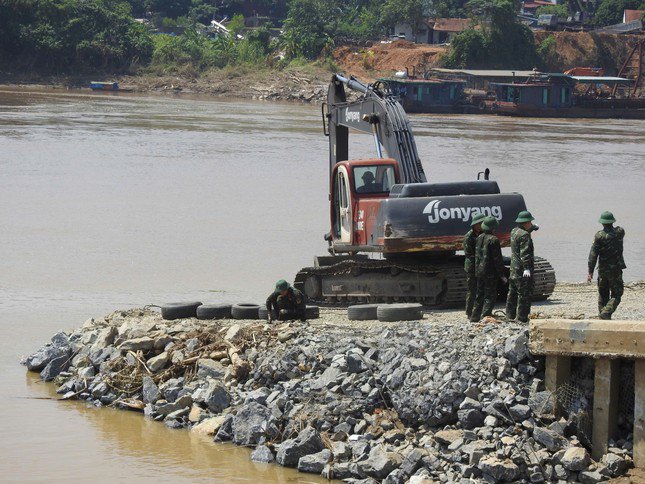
[{"x": 116, "y": 201}]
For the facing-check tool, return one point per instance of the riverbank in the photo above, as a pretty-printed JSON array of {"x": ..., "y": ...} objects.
[
  {"x": 305, "y": 84},
  {"x": 435, "y": 399}
]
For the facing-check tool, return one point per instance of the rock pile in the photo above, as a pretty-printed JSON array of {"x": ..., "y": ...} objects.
[{"x": 376, "y": 402}]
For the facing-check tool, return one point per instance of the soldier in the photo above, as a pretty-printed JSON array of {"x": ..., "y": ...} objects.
[
  {"x": 469, "y": 262},
  {"x": 287, "y": 302},
  {"x": 520, "y": 284},
  {"x": 489, "y": 268},
  {"x": 607, "y": 249}
]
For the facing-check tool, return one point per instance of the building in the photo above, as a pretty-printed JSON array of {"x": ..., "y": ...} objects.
[
  {"x": 432, "y": 30},
  {"x": 632, "y": 15}
]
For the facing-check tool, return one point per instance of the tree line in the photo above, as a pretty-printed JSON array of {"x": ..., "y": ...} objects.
[{"x": 63, "y": 35}]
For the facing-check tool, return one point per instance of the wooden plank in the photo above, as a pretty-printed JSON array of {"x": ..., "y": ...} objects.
[
  {"x": 605, "y": 405},
  {"x": 613, "y": 339}
]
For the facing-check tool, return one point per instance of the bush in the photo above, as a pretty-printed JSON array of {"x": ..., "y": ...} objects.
[{"x": 468, "y": 49}]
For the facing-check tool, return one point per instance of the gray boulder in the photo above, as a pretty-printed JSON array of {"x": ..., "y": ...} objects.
[
  {"x": 54, "y": 367},
  {"x": 43, "y": 356},
  {"x": 291, "y": 450},
  {"x": 262, "y": 454},
  {"x": 516, "y": 348},
  {"x": 150, "y": 390},
  {"x": 314, "y": 463},
  {"x": 379, "y": 463},
  {"x": 575, "y": 459},
  {"x": 250, "y": 424},
  {"x": 500, "y": 470},
  {"x": 616, "y": 464},
  {"x": 470, "y": 418},
  {"x": 329, "y": 377},
  {"x": 549, "y": 439},
  {"x": 183, "y": 402},
  {"x": 60, "y": 339},
  {"x": 519, "y": 412},
  {"x": 542, "y": 403},
  {"x": 144, "y": 343},
  {"x": 210, "y": 368}
]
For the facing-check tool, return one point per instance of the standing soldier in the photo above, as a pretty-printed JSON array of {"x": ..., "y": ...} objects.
[
  {"x": 607, "y": 249},
  {"x": 489, "y": 268},
  {"x": 520, "y": 284},
  {"x": 469, "y": 263}
]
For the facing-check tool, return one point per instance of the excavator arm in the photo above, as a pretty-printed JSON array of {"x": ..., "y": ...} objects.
[{"x": 375, "y": 112}]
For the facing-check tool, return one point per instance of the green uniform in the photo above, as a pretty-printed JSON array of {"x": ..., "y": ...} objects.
[
  {"x": 290, "y": 306},
  {"x": 489, "y": 267},
  {"x": 520, "y": 289},
  {"x": 607, "y": 251},
  {"x": 469, "y": 266}
]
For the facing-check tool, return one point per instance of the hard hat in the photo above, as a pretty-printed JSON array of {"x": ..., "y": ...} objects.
[
  {"x": 477, "y": 219},
  {"x": 607, "y": 218},
  {"x": 490, "y": 223},
  {"x": 281, "y": 285},
  {"x": 524, "y": 216}
]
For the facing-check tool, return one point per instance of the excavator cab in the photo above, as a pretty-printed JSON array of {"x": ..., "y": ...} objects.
[{"x": 357, "y": 187}]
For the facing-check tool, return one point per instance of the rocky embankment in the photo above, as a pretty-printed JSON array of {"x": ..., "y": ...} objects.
[{"x": 427, "y": 401}]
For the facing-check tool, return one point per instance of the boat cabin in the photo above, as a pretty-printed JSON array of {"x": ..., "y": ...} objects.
[
  {"x": 427, "y": 95},
  {"x": 540, "y": 93}
]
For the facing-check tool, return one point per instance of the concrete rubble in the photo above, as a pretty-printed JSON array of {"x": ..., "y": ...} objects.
[{"x": 427, "y": 401}]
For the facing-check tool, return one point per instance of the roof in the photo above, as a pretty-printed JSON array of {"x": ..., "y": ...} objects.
[
  {"x": 535, "y": 4},
  {"x": 631, "y": 15},
  {"x": 449, "y": 24},
  {"x": 487, "y": 72},
  {"x": 600, "y": 79},
  {"x": 404, "y": 80}
]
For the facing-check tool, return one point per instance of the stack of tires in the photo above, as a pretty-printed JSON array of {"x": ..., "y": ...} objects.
[
  {"x": 195, "y": 309},
  {"x": 385, "y": 312}
]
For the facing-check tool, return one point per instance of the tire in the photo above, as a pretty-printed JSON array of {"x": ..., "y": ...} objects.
[
  {"x": 312, "y": 312},
  {"x": 362, "y": 312},
  {"x": 399, "y": 312},
  {"x": 214, "y": 311},
  {"x": 179, "y": 310},
  {"x": 263, "y": 312},
  {"x": 245, "y": 311}
]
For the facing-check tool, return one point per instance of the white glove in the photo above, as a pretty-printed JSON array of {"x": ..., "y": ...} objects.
[{"x": 526, "y": 274}]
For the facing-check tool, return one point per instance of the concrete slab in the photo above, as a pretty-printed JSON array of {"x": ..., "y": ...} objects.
[
  {"x": 605, "y": 405},
  {"x": 599, "y": 338}
]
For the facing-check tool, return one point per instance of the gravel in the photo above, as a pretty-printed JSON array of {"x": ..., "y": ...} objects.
[{"x": 434, "y": 399}]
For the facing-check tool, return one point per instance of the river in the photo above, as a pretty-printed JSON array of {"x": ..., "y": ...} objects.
[{"x": 116, "y": 201}]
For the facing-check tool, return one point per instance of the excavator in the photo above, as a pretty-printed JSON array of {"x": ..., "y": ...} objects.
[{"x": 394, "y": 237}]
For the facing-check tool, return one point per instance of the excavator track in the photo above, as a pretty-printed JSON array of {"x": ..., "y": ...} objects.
[{"x": 440, "y": 284}]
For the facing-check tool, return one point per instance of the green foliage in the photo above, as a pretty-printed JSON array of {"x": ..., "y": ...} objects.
[
  {"x": 57, "y": 34},
  {"x": 198, "y": 52},
  {"x": 236, "y": 25},
  {"x": 169, "y": 8},
  {"x": 406, "y": 11},
  {"x": 309, "y": 28},
  {"x": 548, "y": 53},
  {"x": 610, "y": 12},
  {"x": 506, "y": 42},
  {"x": 468, "y": 49},
  {"x": 560, "y": 10}
]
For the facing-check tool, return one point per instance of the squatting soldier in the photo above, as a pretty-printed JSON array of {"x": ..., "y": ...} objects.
[
  {"x": 607, "y": 249},
  {"x": 286, "y": 302},
  {"x": 520, "y": 280},
  {"x": 489, "y": 268},
  {"x": 469, "y": 263}
]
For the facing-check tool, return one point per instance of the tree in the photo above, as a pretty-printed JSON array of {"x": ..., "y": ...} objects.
[
  {"x": 309, "y": 27},
  {"x": 169, "y": 8},
  {"x": 410, "y": 12},
  {"x": 560, "y": 10},
  {"x": 610, "y": 12},
  {"x": 468, "y": 49},
  {"x": 507, "y": 43}
]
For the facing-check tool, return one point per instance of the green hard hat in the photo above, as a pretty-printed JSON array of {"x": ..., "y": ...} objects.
[
  {"x": 477, "y": 218},
  {"x": 281, "y": 285},
  {"x": 490, "y": 223},
  {"x": 607, "y": 218},
  {"x": 524, "y": 216}
]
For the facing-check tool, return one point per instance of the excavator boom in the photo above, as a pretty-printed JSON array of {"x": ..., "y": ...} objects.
[{"x": 378, "y": 114}]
